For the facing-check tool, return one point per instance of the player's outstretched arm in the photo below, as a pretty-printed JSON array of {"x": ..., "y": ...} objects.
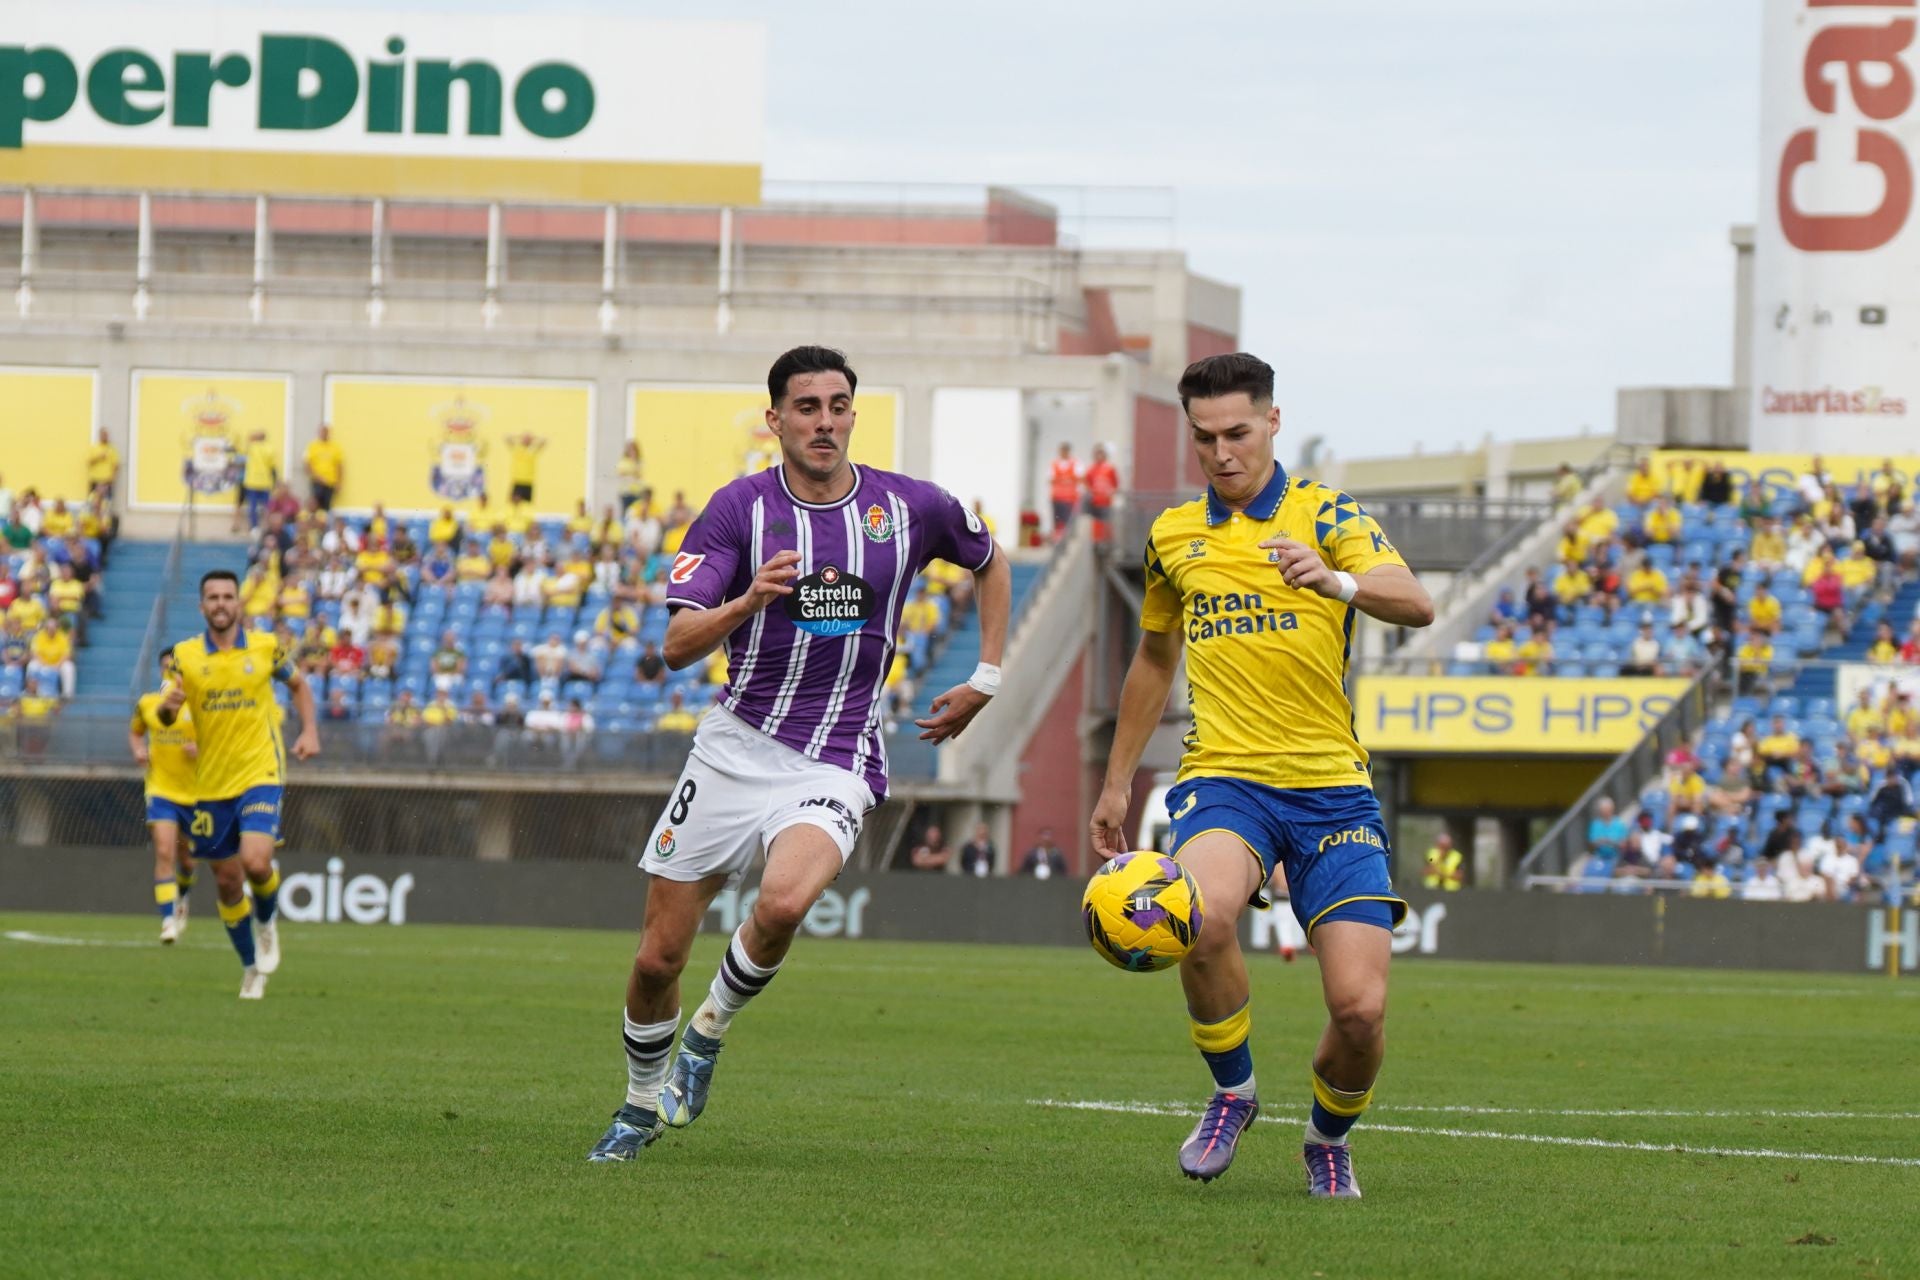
[
  {"x": 137, "y": 741},
  {"x": 692, "y": 633},
  {"x": 307, "y": 745},
  {"x": 1388, "y": 592},
  {"x": 955, "y": 709},
  {"x": 1143, "y": 699}
]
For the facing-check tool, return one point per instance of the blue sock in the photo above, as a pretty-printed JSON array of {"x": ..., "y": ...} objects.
[
  {"x": 238, "y": 918},
  {"x": 1227, "y": 1049}
]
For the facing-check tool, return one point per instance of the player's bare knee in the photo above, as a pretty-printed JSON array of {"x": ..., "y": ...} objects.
[
  {"x": 657, "y": 964},
  {"x": 778, "y": 914},
  {"x": 1359, "y": 1017}
]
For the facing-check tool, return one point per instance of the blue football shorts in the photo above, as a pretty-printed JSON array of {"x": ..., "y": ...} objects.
[
  {"x": 160, "y": 809},
  {"x": 218, "y": 824},
  {"x": 1331, "y": 840}
]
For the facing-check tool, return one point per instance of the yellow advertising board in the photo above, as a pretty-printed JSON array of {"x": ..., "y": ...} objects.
[
  {"x": 46, "y": 422},
  {"x": 693, "y": 439},
  {"x": 1682, "y": 469},
  {"x": 1508, "y": 715},
  {"x": 190, "y": 431},
  {"x": 418, "y": 444}
]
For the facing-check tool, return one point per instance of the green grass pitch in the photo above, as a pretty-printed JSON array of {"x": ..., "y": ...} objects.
[{"x": 418, "y": 1101}]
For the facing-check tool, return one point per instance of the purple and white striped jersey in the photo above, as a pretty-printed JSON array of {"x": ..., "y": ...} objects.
[{"x": 808, "y": 670}]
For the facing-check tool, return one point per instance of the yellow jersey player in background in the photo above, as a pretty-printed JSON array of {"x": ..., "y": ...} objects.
[
  {"x": 223, "y": 679},
  {"x": 1259, "y": 580},
  {"x": 167, "y": 753}
]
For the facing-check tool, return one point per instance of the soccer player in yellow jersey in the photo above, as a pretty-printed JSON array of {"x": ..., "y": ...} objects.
[
  {"x": 223, "y": 679},
  {"x": 1259, "y": 579},
  {"x": 167, "y": 753}
]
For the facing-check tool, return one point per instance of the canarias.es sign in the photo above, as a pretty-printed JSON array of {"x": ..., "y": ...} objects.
[{"x": 348, "y": 103}]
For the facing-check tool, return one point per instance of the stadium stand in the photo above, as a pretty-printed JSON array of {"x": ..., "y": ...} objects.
[
  {"x": 52, "y": 591},
  {"x": 1784, "y": 795},
  {"x": 550, "y": 629}
]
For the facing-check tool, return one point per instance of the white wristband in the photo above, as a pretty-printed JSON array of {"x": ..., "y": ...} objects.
[
  {"x": 985, "y": 678},
  {"x": 1348, "y": 587}
]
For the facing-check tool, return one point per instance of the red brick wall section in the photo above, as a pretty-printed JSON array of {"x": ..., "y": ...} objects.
[
  {"x": 1157, "y": 445},
  {"x": 1203, "y": 342},
  {"x": 1051, "y": 776},
  {"x": 1010, "y": 222}
]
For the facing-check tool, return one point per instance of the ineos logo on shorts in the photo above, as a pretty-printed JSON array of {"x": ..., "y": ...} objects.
[{"x": 831, "y": 602}]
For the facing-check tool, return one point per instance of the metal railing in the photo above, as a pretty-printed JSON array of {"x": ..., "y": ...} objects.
[
  {"x": 473, "y": 753},
  {"x": 1558, "y": 851},
  {"x": 139, "y": 680}
]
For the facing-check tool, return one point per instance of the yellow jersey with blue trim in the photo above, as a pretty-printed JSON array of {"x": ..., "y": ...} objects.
[
  {"x": 1266, "y": 663},
  {"x": 230, "y": 696},
  {"x": 171, "y": 772}
]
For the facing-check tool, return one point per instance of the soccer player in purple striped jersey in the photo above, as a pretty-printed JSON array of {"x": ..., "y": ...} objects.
[{"x": 801, "y": 571}]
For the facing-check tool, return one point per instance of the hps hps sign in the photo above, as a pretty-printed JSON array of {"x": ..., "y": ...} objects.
[{"x": 363, "y": 103}]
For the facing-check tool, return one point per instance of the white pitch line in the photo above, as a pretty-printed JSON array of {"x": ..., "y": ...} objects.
[
  {"x": 50, "y": 940},
  {"x": 1549, "y": 1140},
  {"x": 1751, "y": 1114}
]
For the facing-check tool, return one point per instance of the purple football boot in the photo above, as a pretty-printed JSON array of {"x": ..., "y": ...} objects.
[
  {"x": 1209, "y": 1148},
  {"x": 1330, "y": 1171}
]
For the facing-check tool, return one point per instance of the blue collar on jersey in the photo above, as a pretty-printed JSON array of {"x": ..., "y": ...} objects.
[
  {"x": 1264, "y": 503},
  {"x": 239, "y": 641}
]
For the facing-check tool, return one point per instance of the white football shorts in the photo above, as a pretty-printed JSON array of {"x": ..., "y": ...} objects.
[{"x": 739, "y": 790}]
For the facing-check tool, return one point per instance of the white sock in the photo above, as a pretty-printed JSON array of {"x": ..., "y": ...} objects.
[
  {"x": 1242, "y": 1090},
  {"x": 1320, "y": 1139},
  {"x": 649, "y": 1053},
  {"x": 737, "y": 981}
]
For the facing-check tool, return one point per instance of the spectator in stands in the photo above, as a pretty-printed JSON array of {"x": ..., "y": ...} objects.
[
  {"x": 403, "y": 717},
  {"x": 1643, "y": 654},
  {"x": 576, "y": 731},
  {"x": 516, "y": 665},
  {"x": 1540, "y": 599},
  {"x": 474, "y": 565},
  {"x": 1643, "y": 486},
  {"x": 1804, "y": 544},
  {"x": 1839, "y": 865},
  {"x": 1892, "y": 801},
  {"x": 1763, "y": 884},
  {"x": 675, "y": 717},
  {"x": 1044, "y": 860},
  {"x": 1506, "y": 608},
  {"x": 1829, "y": 592},
  {"x": 583, "y": 663},
  {"x": 1646, "y": 584},
  {"x": 1501, "y": 652},
  {"x": 449, "y": 662},
  {"x": 1682, "y": 654},
  {"x": 259, "y": 470},
  {"x": 650, "y": 667},
  {"x": 1884, "y": 648},
  {"x": 550, "y": 658},
  {"x": 326, "y": 467},
  {"x": 931, "y": 852},
  {"x": 1711, "y": 882},
  {"x": 337, "y": 709},
  {"x": 1768, "y": 550},
  {"x": 978, "y": 857},
  {"x": 617, "y": 623},
  {"x": 103, "y": 465},
  {"x": 437, "y": 718},
  {"x": 345, "y": 658},
  {"x": 282, "y": 503},
  {"x": 1763, "y": 610},
  {"x": 1754, "y": 653},
  {"x": 1716, "y": 486},
  {"x": 1606, "y": 831},
  {"x": 545, "y": 722},
  {"x": 508, "y": 718},
  {"x": 1566, "y": 486},
  {"x": 313, "y": 653},
  {"x": 1103, "y": 482},
  {"x": 1903, "y": 527},
  {"x": 530, "y": 585},
  {"x": 383, "y": 655},
  {"x": 523, "y": 465},
  {"x": 1063, "y": 489},
  {"x": 477, "y": 713},
  {"x": 1910, "y": 647},
  {"x": 1877, "y": 545},
  {"x": 631, "y": 470},
  {"x": 437, "y": 569},
  {"x": 1724, "y": 597},
  {"x": 52, "y": 651},
  {"x": 1689, "y": 610},
  {"x": 404, "y": 550},
  {"x": 644, "y": 530},
  {"x": 1780, "y": 744},
  {"x": 1664, "y": 524},
  {"x": 1572, "y": 586},
  {"x": 500, "y": 589},
  {"x": 67, "y": 598}
]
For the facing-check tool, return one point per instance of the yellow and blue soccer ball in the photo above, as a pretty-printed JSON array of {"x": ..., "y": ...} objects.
[{"x": 1142, "y": 911}]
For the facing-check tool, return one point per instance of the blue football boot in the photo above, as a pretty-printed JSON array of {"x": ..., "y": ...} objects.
[
  {"x": 1209, "y": 1148},
  {"x": 631, "y": 1130},
  {"x": 1330, "y": 1171},
  {"x": 684, "y": 1096}
]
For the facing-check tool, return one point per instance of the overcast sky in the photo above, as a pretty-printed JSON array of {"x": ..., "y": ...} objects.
[{"x": 1448, "y": 220}]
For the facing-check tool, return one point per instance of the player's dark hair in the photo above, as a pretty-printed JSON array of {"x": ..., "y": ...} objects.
[
  {"x": 1217, "y": 376},
  {"x": 216, "y": 575},
  {"x": 807, "y": 360}
]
